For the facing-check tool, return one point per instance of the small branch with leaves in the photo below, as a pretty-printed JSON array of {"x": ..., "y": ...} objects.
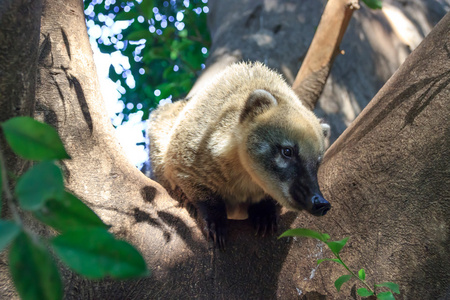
[
  {"x": 336, "y": 247},
  {"x": 83, "y": 244}
]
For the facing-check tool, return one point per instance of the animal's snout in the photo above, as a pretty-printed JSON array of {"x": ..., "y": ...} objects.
[{"x": 320, "y": 206}]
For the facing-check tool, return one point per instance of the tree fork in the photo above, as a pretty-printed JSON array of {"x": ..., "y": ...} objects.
[{"x": 184, "y": 264}]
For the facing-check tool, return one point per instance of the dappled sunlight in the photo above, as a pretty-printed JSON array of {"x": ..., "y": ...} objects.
[{"x": 403, "y": 27}]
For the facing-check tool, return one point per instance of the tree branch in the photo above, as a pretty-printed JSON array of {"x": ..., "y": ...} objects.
[{"x": 312, "y": 76}]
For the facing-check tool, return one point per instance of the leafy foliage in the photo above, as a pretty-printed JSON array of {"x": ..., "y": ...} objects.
[
  {"x": 33, "y": 140},
  {"x": 166, "y": 43},
  {"x": 341, "y": 280},
  {"x": 95, "y": 252},
  {"x": 33, "y": 270},
  {"x": 374, "y": 4},
  {"x": 66, "y": 213},
  {"x": 84, "y": 245},
  {"x": 1, "y": 191},
  {"x": 8, "y": 231},
  {"x": 42, "y": 182},
  {"x": 362, "y": 274},
  {"x": 336, "y": 247},
  {"x": 363, "y": 292},
  {"x": 389, "y": 285},
  {"x": 385, "y": 296},
  {"x": 306, "y": 233}
]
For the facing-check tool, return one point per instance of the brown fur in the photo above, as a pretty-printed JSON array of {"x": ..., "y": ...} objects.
[{"x": 201, "y": 145}]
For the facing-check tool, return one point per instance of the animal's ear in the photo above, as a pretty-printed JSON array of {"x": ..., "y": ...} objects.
[
  {"x": 325, "y": 128},
  {"x": 258, "y": 102}
]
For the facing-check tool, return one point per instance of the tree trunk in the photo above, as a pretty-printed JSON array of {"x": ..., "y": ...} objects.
[
  {"x": 19, "y": 33},
  {"x": 19, "y": 36},
  {"x": 388, "y": 176},
  {"x": 183, "y": 263}
]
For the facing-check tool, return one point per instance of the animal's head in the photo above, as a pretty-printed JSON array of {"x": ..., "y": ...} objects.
[{"x": 282, "y": 144}]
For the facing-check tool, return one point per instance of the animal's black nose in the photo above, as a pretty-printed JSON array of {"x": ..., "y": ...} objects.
[{"x": 320, "y": 206}]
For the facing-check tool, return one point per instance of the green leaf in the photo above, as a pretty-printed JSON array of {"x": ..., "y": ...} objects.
[
  {"x": 183, "y": 33},
  {"x": 1, "y": 188},
  {"x": 8, "y": 231},
  {"x": 147, "y": 8},
  {"x": 68, "y": 213},
  {"x": 33, "y": 270},
  {"x": 337, "y": 246},
  {"x": 341, "y": 280},
  {"x": 374, "y": 4},
  {"x": 138, "y": 35},
  {"x": 390, "y": 285},
  {"x": 363, "y": 292},
  {"x": 330, "y": 259},
  {"x": 385, "y": 296},
  {"x": 94, "y": 253},
  {"x": 362, "y": 274},
  {"x": 33, "y": 140},
  {"x": 126, "y": 15},
  {"x": 306, "y": 233},
  {"x": 174, "y": 54},
  {"x": 42, "y": 182}
]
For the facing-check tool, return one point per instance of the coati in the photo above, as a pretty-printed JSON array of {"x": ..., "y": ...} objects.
[{"x": 245, "y": 139}]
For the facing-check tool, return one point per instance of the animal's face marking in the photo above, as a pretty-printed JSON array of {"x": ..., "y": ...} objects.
[
  {"x": 281, "y": 161},
  {"x": 285, "y": 162}
]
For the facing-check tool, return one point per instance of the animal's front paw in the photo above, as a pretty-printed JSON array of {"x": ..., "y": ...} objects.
[
  {"x": 216, "y": 229},
  {"x": 213, "y": 212},
  {"x": 265, "y": 216}
]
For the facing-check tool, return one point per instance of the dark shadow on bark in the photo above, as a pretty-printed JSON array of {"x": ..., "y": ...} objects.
[
  {"x": 66, "y": 42},
  {"x": 357, "y": 133},
  {"x": 45, "y": 52},
  {"x": 148, "y": 193},
  {"x": 74, "y": 83},
  {"x": 181, "y": 229}
]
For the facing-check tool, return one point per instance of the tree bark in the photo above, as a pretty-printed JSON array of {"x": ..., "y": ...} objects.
[
  {"x": 409, "y": 115},
  {"x": 19, "y": 36},
  {"x": 387, "y": 177},
  {"x": 19, "y": 33}
]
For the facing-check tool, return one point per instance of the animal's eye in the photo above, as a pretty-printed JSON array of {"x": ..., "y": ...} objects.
[{"x": 287, "y": 152}]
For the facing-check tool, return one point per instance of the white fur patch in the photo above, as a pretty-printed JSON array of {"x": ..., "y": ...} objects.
[
  {"x": 326, "y": 129},
  {"x": 281, "y": 162}
]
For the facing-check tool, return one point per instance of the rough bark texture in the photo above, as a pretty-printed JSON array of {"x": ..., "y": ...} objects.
[
  {"x": 19, "y": 33},
  {"x": 388, "y": 175},
  {"x": 397, "y": 214},
  {"x": 19, "y": 36},
  {"x": 324, "y": 48}
]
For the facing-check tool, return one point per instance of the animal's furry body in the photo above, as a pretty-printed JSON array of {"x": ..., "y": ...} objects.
[{"x": 227, "y": 145}]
